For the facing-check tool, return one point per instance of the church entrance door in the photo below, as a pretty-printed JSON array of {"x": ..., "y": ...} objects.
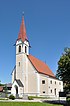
[{"x": 16, "y": 88}]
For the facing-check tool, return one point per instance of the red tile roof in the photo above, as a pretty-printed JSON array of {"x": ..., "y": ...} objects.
[
  {"x": 22, "y": 34},
  {"x": 40, "y": 66},
  {"x": 1, "y": 88}
]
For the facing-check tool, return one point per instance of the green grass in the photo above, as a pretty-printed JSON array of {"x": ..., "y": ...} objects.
[
  {"x": 25, "y": 104},
  {"x": 40, "y": 97}
]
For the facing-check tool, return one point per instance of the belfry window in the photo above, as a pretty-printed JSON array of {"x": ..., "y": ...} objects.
[
  {"x": 25, "y": 49},
  {"x": 19, "y": 48}
]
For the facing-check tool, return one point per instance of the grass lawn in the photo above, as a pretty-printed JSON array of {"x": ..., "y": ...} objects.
[{"x": 26, "y": 104}]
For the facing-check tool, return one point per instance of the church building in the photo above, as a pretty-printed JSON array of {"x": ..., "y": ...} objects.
[{"x": 30, "y": 75}]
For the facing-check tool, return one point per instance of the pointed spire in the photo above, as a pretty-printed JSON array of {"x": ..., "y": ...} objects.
[{"x": 22, "y": 34}]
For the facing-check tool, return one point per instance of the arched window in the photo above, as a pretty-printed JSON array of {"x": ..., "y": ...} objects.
[
  {"x": 19, "y": 48},
  {"x": 19, "y": 64},
  {"x": 55, "y": 82},
  {"x": 43, "y": 81},
  {"x": 25, "y": 49},
  {"x": 51, "y": 82},
  {"x": 51, "y": 90},
  {"x": 55, "y": 91}
]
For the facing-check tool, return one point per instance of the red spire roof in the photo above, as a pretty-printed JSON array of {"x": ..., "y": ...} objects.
[{"x": 22, "y": 34}]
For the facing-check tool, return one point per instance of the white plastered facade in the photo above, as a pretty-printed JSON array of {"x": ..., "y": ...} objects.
[{"x": 31, "y": 79}]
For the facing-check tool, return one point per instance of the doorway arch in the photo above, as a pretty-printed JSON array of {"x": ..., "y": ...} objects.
[{"x": 16, "y": 89}]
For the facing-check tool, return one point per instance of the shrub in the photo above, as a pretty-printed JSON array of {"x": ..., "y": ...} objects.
[
  {"x": 68, "y": 101},
  {"x": 12, "y": 97},
  {"x": 68, "y": 98},
  {"x": 30, "y": 97}
]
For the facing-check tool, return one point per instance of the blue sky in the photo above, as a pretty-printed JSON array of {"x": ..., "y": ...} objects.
[{"x": 47, "y": 26}]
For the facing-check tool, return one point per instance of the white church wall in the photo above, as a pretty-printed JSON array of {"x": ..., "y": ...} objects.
[
  {"x": 43, "y": 85},
  {"x": 13, "y": 75},
  {"x": 33, "y": 80},
  {"x": 21, "y": 70},
  {"x": 54, "y": 84},
  {"x": 19, "y": 66}
]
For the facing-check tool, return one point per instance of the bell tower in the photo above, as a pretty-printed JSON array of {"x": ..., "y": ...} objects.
[{"x": 22, "y": 51}]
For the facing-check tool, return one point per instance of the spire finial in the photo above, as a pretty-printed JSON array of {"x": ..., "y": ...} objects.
[{"x": 22, "y": 13}]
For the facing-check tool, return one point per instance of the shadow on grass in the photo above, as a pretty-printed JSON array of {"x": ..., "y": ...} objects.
[{"x": 59, "y": 102}]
